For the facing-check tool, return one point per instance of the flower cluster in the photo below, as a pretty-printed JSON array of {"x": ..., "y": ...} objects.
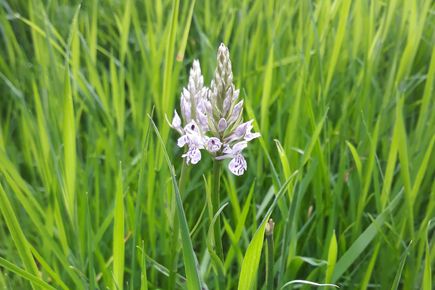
[{"x": 212, "y": 117}]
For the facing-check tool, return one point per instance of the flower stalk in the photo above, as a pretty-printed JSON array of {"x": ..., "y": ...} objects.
[{"x": 215, "y": 191}]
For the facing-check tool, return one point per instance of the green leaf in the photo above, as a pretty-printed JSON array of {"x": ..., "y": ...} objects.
[
  {"x": 31, "y": 270},
  {"x": 332, "y": 258},
  {"x": 33, "y": 279},
  {"x": 251, "y": 260},
  {"x": 400, "y": 268},
  {"x": 355, "y": 158}
]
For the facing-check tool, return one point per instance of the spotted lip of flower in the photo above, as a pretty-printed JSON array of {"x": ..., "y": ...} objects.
[
  {"x": 192, "y": 156},
  {"x": 238, "y": 164}
]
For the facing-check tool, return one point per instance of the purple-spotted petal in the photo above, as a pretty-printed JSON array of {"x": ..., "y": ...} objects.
[
  {"x": 238, "y": 165},
  {"x": 214, "y": 144},
  {"x": 192, "y": 127},
  {"x": 183, "y": 140},
  {"x": 192, "y": 156}
]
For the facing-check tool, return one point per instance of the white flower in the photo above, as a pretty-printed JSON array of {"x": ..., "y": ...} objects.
[
  {"x": 194, "y": 142},
  {"x": 214, "y": 144},
  {"x": 238, "y": 164},
  {"x": 222, "y": 125},
  {"x": 176, "y": 122},
  {"x": 183, "y": 140},
  {"x": 201, "y": 112},
  {"x": 192, "y": 156},
  {"x": 193, "y": 138},
  {"x": 250, "y": 135},
  {"x": 185, "y": 105}
]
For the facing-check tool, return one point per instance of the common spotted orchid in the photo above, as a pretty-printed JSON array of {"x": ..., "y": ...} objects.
[{"x": 213, "y": 117}]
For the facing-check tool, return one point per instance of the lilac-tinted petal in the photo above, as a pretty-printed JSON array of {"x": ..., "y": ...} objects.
[
  {"x": 196, "y": 80},
  {"x": 183, "y": 140},
  {"x": 222, "y": 125},
  {"x": 228, "y": 99},
  {"x": 201, "y": 115},
  {"x": 237, "y": 110},
  {"x": 238, "y": 165},
  {"x": 197, "y": 140},
  {"x": 213, "y": 144},
  {"x": 176, "y": 121},
  {"x": 192, "y": 127},
  {"x": 185, "y": 105},
  {"x": 222, "y": 157},
  {"x": 227, "y": 149},
  {"x": 238, "y": 147},
  {"x": 236, "y": 95},
  {"x": 241, "y": 130},
  {"x": 192, "y": 156},
  {"x": 251, "y": 136}
]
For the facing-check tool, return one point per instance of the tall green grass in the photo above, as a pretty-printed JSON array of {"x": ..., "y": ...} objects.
[{"x": 342, "y": 92}]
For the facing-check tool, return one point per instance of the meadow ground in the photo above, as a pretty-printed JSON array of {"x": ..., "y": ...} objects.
[{"x": 341, "y": 91}]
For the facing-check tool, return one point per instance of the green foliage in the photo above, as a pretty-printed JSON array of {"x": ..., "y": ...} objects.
[{"x": 342, "y": 92}]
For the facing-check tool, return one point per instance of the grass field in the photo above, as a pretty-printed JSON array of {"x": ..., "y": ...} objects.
[{"x": 341, "y": 91}]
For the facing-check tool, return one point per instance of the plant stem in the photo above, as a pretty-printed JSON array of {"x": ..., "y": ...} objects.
[
  {"x": 216, "y": 201},
  {"x": 215, "y": 191}
]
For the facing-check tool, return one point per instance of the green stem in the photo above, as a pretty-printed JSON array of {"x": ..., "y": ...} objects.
[
  {"x": 216, "y": 201},
  {"x": 215, "y": 192}
]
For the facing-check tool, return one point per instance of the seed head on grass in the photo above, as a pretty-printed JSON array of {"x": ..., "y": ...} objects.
[{"x": 213, "y": 117}]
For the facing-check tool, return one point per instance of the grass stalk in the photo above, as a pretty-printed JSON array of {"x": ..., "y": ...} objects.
[{"x": 269, "y": 255}]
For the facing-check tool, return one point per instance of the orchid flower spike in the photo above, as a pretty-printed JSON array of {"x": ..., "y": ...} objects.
[{"x": 213, "y": 117}]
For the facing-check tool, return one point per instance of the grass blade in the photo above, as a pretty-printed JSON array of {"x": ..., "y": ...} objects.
[
  {"x": 19, "y": 239},
  {"x": 33, "y": 279},
  {"x": 118, "y": 235}
]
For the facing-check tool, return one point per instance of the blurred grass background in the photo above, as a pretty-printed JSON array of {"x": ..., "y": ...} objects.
[{"x": 342, "y": 92}]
